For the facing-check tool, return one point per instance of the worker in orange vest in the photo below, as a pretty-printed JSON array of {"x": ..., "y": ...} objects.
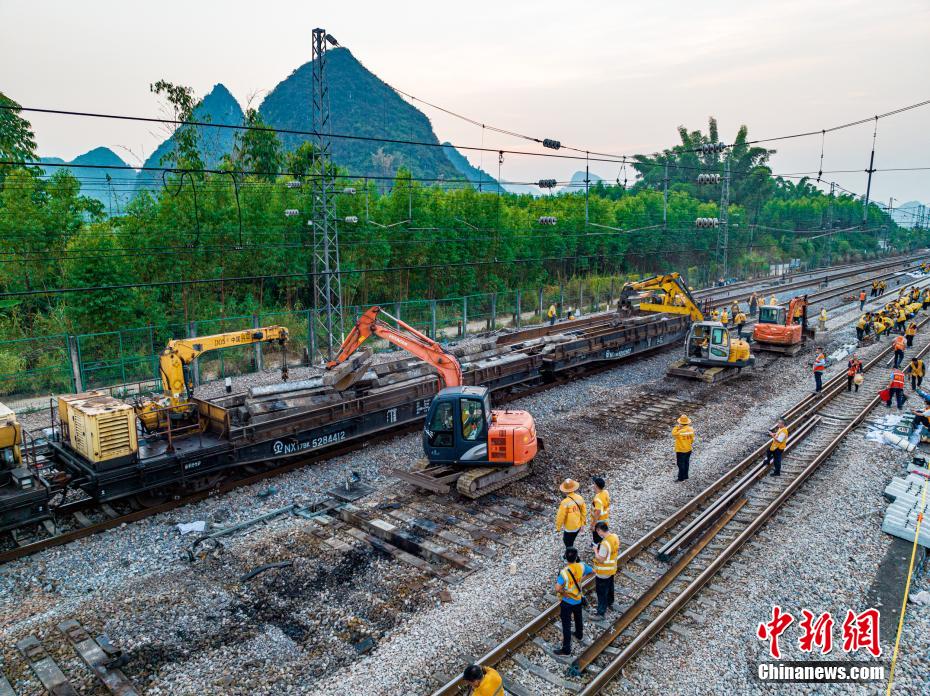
[
  {"x": 572, "y": 513},
  {"x": 898, "y": 345},
  {"x": 820, "y": 364},
  {"x": 779, "y": 435},
  {"x": 861, "y": 300},
  {"x": 853, "y": 368},
  {"x": 484, "y": 681},
  {"x": 896, "y": 388}
]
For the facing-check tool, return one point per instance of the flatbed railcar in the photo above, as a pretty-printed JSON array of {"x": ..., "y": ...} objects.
[{"x": 231, "y": 441}]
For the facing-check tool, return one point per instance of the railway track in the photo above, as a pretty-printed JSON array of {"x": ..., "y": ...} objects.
[
  {"x": 668, "y": 566},
  {"x": 83, "y": 518}
]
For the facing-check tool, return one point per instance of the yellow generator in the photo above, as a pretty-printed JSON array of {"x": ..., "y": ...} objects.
[
  {"x": 99, "y": 428},
  {"x": 11, "y": 437}
]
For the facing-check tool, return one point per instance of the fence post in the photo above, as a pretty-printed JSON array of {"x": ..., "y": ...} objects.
[
  {"x": 259, "y": 363},
  {"x": 519, "y": 312},
  {"x": 76, "y": 377},
  {"x": 561, "y": 299},
  {"x": 432, "y": 319},
  {"x": 311, "y": 337},
  {"x": 195, "y": 365},
  {"x": 493, "y": 311},
  {"x": 610, "y": 298},
  {"x": 580, "y": 296},
  {"x": 464, "y": 316},
  {"x": 540, "y": 303}
]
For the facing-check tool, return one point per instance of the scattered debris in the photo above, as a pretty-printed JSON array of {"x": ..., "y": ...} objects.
[
  {"x": 188, "y": 527},
  {"x": 262, "y": 568}
]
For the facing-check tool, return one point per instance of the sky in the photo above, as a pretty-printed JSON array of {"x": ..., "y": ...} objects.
[{"x": 615, "y": 76}]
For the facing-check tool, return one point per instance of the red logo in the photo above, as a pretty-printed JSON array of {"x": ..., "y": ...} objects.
[{"x": 860, "y": 631}]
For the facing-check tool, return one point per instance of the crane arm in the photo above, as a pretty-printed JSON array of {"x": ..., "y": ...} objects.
[
  {"x": 676, "y": 297},
  {"x": 406, "y": 337},
  {"x": 183, "y": 351}
]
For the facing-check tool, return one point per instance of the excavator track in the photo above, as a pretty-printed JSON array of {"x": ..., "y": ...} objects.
[{"x": 475, "y": 483}]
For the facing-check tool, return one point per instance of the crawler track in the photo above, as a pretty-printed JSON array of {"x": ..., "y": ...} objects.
[{"x": 661, "y": 572}]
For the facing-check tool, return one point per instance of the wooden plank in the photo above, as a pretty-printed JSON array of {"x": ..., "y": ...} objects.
[
  {"x": 94, "y": 657},
  {"x": 45, "y": 668}
]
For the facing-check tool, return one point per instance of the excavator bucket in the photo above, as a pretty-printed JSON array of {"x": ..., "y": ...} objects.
[{"x": 342, "y": 376}]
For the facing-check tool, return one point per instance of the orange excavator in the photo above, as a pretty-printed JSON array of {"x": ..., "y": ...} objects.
[
  {"x": 782, "y": 329},
  {"x": 464, "y": 439}
]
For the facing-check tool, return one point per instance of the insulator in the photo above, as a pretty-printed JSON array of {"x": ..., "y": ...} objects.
[
  {"x": 547, "y": 183},
  {"x": 291, "y": 212},
  {"x": 708, "y": 178},
  {"x": 293, "y": 184},
  {"x": 552, "y": 144},
  {"x": 349, "y": 191},
  {"x": 352, "y": 219},
  {"x": 547, "y": 220}
]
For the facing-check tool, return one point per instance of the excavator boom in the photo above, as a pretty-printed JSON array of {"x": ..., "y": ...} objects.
[
  {"x": 671, "y": 295},
  {"x": 181, "y": 352},
  {"x": 406, "y": 337}
]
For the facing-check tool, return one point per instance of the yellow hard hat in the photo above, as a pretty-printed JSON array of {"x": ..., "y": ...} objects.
[
  {"x": 569, "y": 486},
  {"x": 684, "y": 420}
]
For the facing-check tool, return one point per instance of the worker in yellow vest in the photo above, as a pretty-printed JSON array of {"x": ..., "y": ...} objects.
[
  {"x": 715, "y": 315},
  {"x": 572, "y": 513},
  {"x": 550, "y": 315},
  {"x": 823, "y": 319},
  {"x": 740, "y": 320},
  {"x": 600, "y": 505},
  {"x": 909, "y": 333},
  {"x": 684, "y": 443},
  {"x": 926, "y": 299},
  {"x": 568, "y": 587},
  {"x": 779, "y": 435},
  {"x": 900, "y": 320},
  {"x": 773, "y": 301},
  {"x": 917, "y": 372},
  {"x": 484, "y": 681},
  {"x": 605, "y": 566},
  {"x": 860, "y": 327},
  {"x": 724, "y": 317},
  {"x": 734, "y": 308}
]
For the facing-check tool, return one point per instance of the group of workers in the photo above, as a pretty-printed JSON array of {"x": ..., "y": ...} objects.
[
  {"x": 894, "y": 317},
  {"x": 878, "y": 288}
]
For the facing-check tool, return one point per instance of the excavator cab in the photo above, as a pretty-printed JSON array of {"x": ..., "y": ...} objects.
[
  {"x": 773, "y": 315},
  {"x": 456, "y": 427},
  {"x": 710, "y": 345}
]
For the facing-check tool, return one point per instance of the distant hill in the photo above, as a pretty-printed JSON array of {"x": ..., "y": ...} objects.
[
  {"x": 360, "y": 104},
  {"x": 112, "y": 187},
  {"x": 906, "y": 214},
  {"x": 577, "y": 183},
  {"x": 219, "y": 106},
  {"x": 467, "y": 171}
]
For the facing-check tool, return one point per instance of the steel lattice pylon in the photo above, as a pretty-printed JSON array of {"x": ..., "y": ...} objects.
[
  {"x": 723, "y": 232},
  {"x": 327, "y": 282}
]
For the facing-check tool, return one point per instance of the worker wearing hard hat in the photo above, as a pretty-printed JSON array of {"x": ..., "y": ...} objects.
[
  {"x": 909, "y": 333},
  {"x": 724, "y": 317},
  {"x": 684, "y": 444},
  {"x": 819, "y": 365},
  {"x": 899, "y": 344},
  {"x": 823, "y": 318},
  {"x": 917, "y": 372},
  {"x": 779, "y": 435},
  {"x": 773, "y": 301},
  {"x": 600, "y": 505},
  {"x": 572, "y": 512},
  {"x": 740, "y": 320}
]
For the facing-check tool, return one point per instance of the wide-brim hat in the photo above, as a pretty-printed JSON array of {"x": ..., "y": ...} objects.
[
  {"x": 684, "y": 420},
  {"x": 569, "y": 486}
]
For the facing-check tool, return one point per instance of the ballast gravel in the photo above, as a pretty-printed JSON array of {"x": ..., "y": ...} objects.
[{"x": 195, "y": 628}]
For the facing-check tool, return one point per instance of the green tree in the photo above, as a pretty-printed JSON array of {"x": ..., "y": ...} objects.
[
  {"x": 186, "y": 151},
  {"x": 17, "y": 142}
]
